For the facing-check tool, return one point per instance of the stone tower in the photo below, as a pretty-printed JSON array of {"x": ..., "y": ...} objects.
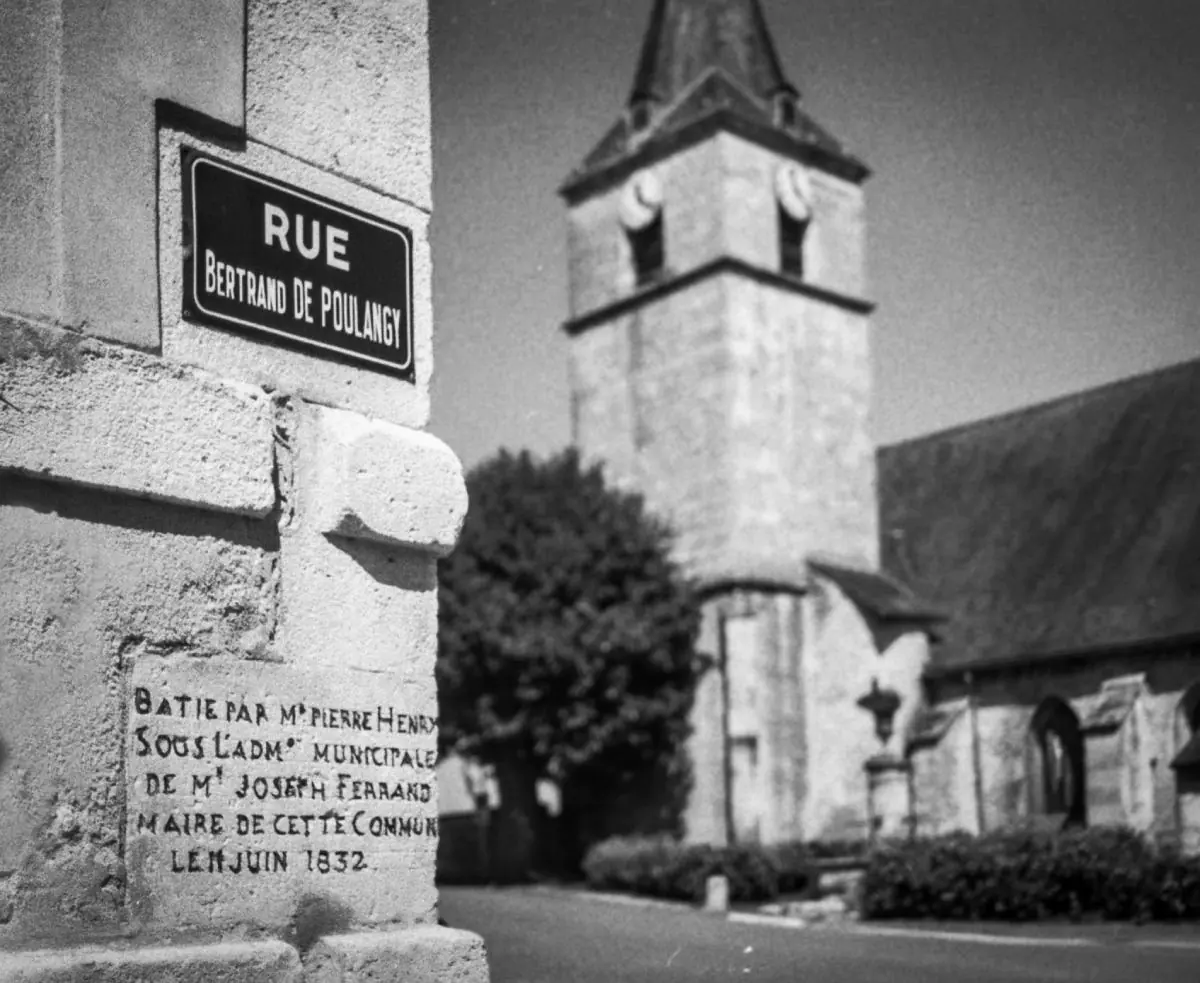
[{"x": 720, "y": 365}]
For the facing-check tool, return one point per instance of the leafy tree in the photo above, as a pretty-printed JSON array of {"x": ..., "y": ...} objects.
[{"x": 566, "y": 638}]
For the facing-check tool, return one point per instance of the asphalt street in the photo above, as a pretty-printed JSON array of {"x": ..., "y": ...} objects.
[{"x": 543, "y": 936}]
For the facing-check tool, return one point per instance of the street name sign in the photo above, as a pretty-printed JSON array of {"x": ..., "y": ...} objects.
[{"x": 276, "y": 262}]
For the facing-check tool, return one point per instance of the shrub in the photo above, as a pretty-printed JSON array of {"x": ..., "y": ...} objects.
[
  {"x": 662, "y": 867},
  {"x": 836, "y": 849},
  {"x": 1020, "y": 875},
  {"x": 794, "y": 863}
]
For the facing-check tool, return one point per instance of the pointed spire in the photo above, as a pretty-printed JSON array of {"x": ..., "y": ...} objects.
[
  {"x": 705, "y": 66},
  {"x": 687, "y": 38}
]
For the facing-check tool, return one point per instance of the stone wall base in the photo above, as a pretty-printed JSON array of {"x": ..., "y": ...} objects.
[{"x": 418, "y": 955}]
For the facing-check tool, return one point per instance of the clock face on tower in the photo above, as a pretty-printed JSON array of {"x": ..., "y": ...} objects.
[
  {"x": 641, "y": 201},
  {"x": 794, "y": 191}
]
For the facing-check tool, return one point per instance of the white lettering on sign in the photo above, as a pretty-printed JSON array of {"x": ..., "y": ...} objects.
[
  {"x": 275, "y": 233},
  {"x": 346, "y": 314},
  {"x": 276, "y": 226},
  {"x": 245, "y": 286},
  {"x": 335, "y": 248}
]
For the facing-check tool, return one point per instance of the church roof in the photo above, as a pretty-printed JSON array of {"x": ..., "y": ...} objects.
[
  {"x": 707, "y": 65},
  {"x": 1066, "y": 528},
  {"x": 876, "y": 592}
]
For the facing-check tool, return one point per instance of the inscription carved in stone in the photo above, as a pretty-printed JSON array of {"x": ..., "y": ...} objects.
[{"x": 237, "y": 774}]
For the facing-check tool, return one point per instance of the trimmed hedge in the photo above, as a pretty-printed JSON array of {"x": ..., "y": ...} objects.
[
  {"x": 663, "y": 867},
  {"x": 1112, "y": 873},
  {"x": 1019, "y": 875}
]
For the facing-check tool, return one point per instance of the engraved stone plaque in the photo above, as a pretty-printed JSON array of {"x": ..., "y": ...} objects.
[{"x": 254, "y": 786}]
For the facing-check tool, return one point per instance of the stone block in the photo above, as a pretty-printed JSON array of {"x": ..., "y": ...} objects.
[
  {"x": 30, "y": 196},
  {"x": 716, "y": 893},
  {"x": 345, "y": 87},
  {"x": 831, "y": 909},
  {"x": 425, "y": 954},
  {"x": 87, "y": 413},
  {"x": 260, "y": 360},
  {"x": 77, "y": 180},
  {"x": 382, "y": 600},
  {"x": 88, "y": 583},
  {"x": 231, "y": 962},
  {"x": 382, "y": 483}
]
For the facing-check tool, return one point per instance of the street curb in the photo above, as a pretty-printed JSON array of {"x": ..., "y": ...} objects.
[
  {"x": 854, "y": 926},
  {"x": 628, "y": 900},
  {"x": 982, "y": 938},
  {"x": 1165, "y": 944},
  {"x": 778, "y": 921}
]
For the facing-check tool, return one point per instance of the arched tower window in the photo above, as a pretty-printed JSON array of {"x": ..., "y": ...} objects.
[
  {"x": 791, "y": 243},
  {"x": 1058, "y": 776},
  {"x": 641, "y": 214},
  {"x": 639, "y": 115},
  {"x": 794, "y": 195},
  {"x": 649, "y": 256},
  {"x": 785, "y": 110}
]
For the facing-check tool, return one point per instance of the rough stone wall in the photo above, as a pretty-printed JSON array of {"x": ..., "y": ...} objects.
[
  {"x": 835, "y": 243},
  {"x": 599, "y": 256},
  {"x": 759, "y": 636},
  {"x": 786, "y": 752},
  {"x": 185, "y": 510},
  {"x": 1163, "y": 736},
  {"x": 78, "y": 175},
  {"x": 740, "y": 410},
  {"x": 839, "y": 662},
  {"x": 903, "y": 658},
  {"x": 97, "y": 577},
  {"x": 943, "y": 799},
  {"x": 705, "y": 813},
  {"x": 1129, "y": 780},
  {"x": 801, "y": 459},
  {"x": 845, "y": 651},
  {"x": 650, "y": 399}
]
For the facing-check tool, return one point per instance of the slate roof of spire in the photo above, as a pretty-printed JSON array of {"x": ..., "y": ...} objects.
[
  {"x": 708, "y": 65},
  {"x": 688, "y": 37},
  {"x": 1068, "y": 528}
]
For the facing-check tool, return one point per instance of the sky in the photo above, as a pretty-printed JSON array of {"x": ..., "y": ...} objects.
[{"x": 1033, "y": 213}]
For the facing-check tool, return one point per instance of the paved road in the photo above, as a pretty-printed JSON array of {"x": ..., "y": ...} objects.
[{"x": 537, "y": 936}]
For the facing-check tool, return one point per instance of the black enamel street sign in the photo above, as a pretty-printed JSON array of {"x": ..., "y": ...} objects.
[{"x": 281, "y": 264}]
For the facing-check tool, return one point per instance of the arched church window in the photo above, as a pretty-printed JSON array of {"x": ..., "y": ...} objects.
[
  {"x": 794, "y": 195},
  {"x": 642, "y": 216},
  {"x": 1059, "y": 776}
]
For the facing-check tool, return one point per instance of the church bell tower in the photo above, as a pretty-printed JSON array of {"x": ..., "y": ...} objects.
[{"x": 720, "y": 365}]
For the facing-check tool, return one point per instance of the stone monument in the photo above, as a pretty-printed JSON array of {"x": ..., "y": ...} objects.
[{"x": 219, "y": 513}]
